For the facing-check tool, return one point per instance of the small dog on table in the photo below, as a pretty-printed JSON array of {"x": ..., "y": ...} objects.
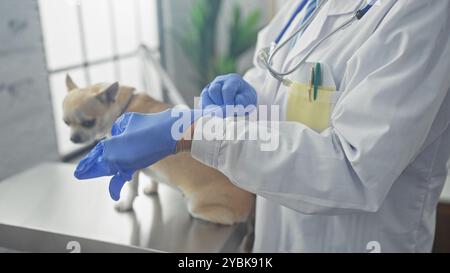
[{"x": 90, "y": 113}]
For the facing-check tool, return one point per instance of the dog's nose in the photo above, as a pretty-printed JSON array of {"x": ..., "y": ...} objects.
[{"x": 76, "y": 138}]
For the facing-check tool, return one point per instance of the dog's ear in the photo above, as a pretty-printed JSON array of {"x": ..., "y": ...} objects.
[
  {"x": 70, "y": 84},
  {"x": 109, "y": 95}
]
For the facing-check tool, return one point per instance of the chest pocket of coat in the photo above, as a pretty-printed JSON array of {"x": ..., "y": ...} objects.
[{"x": 303, "y": 108}]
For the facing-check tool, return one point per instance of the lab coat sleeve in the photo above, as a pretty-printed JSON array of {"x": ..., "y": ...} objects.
[{"x": 394, "y": 86}]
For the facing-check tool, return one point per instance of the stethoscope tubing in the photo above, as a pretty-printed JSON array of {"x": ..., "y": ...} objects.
[{"x": 275, "y": 48}]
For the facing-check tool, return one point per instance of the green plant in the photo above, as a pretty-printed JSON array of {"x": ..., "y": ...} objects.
[{"x": 199, "y": 40}]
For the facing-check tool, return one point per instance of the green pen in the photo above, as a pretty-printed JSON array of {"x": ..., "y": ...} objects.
[{"x": 317, "y": 80}]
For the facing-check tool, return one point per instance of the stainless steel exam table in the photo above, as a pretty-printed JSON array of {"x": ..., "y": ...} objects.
[{"x": 46, "y": 209}]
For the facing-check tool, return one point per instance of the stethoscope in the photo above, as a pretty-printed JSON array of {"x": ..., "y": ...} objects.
[{"x": 266, "y": 55}]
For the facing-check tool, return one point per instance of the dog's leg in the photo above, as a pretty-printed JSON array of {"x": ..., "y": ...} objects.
[
  {"x": 151, "y": 188},
  {"x": 249, "y": 238},
  {"x": 130, "y": 191}
]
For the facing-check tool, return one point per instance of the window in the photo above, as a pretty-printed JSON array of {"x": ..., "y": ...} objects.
[{"x": 96, "y": 41}]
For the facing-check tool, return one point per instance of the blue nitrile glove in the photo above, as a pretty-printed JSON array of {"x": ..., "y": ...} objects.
[
  {"x": 138, "y": 141},
  {"x": 229, "y": 89}
]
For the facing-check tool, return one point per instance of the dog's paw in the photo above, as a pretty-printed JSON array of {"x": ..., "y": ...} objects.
[
  {"x": 124, "y": 206},
  {"x": 151, "y": 188},
  {"x": 127, "y": 198},
  {"x": 247, "y": 242}
]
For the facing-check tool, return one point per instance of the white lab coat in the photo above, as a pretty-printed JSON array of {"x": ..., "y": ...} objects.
[{"x": 373, "y": 179}]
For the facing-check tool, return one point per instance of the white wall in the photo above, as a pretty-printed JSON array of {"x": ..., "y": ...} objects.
[{"x": 27, "y": 134}]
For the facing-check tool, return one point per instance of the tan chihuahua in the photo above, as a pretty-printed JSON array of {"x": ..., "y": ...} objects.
[{"x": 90, "y": 112}]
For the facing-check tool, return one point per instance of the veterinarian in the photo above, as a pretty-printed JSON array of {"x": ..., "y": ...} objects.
[{"x": 364, "y": 137}]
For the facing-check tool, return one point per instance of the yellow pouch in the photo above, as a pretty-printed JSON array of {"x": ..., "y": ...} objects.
[{"x": 313, "y": 113}]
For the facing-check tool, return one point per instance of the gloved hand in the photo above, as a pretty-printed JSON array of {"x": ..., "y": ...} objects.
[
  {"x": 138, "y": 141},
  {"x": 227, "y": 90}
]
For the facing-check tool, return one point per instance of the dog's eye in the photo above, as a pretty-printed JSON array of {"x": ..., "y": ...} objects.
[
  {"x": 88, "y": 123},
  {"x": 66, "y": 122}
]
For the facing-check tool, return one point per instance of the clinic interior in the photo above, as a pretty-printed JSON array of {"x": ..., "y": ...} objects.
[{"x": 168, "y": 49}]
